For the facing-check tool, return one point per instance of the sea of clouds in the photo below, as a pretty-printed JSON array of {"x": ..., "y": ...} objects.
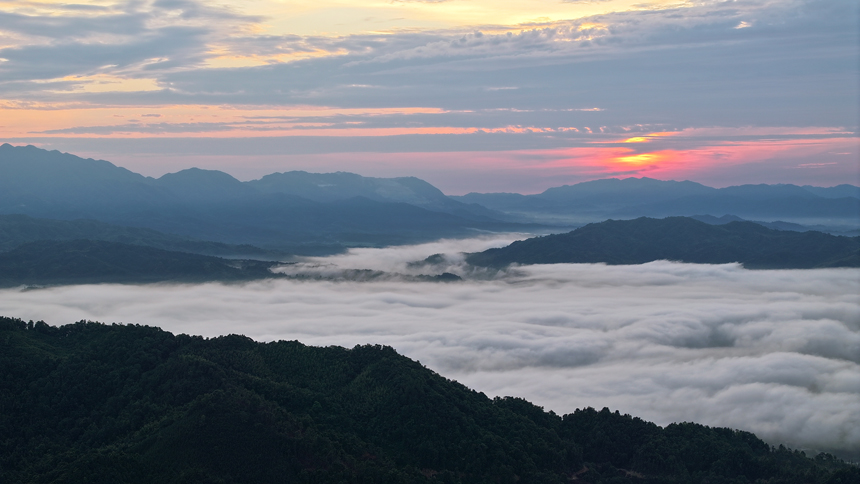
[{"x": 772, "y": 352}]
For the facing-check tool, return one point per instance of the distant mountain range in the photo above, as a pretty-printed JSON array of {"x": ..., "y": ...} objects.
[
  {"x": 210, "y": 212},
  {"x": 297, "y": 211},
  {"x": 636, "y": 197},
  {"x": 680, "y": 239}
]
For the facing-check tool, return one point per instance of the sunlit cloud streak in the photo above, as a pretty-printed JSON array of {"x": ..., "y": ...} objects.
[{"x": 773, "y": 352}]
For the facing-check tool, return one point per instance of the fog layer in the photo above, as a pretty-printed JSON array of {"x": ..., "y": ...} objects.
[{"x": 773, "y": 352}]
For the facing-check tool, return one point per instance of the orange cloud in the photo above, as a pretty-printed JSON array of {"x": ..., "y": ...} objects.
[{"x": 33, "y": 119}]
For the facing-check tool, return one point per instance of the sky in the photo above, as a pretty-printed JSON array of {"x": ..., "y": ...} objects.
[
  {"x": 470, "y": 95},
  {"x": 776, "y": 353}
]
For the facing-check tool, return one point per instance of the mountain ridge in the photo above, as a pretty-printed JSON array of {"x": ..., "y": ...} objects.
[
  {"x": 64, "y": 262},
  {"x": 17, "y": 229},
  {"x": 212, "y": 205},
  {"x": 635, "y": 197},
  {"x": 680, "y": 239},
  {"x": 314, "y": 213}
]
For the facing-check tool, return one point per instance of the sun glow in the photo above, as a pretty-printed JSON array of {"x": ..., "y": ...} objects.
[{"x": 641, "y": 159}]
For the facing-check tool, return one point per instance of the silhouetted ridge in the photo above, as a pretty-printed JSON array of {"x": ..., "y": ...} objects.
[
  {"x": 196, "y": 185},
  {"x": 636, "y": 197},
  {"x": 16, "y": 230},
  {"x": 88, "y": 261},
  {"x": 297, "y": 212},
  {"x": 680, "y": 239},
  {"x": 88, "y": 402}
]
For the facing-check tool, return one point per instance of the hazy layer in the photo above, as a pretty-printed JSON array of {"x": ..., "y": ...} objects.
[{"x": 773, "y": 352}]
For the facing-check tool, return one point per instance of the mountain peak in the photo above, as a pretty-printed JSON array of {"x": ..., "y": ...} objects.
[
  {"x": 197, "y": 184},
  {"x": 198, "y": 174}
]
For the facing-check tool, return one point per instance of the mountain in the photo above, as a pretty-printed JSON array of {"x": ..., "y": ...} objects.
[
  {"x": 680, "y": 239},
  {"x": 839, "y": 191},
  {"x": 86, "y": 262},
  {"x": 779, "y": 225},
  {"x": 88, "y": 403},
  {"x": 597, "y": 195},
  {"x": 203, "y": 186},
  {"x": 755, "y": 203},
  {"x": 316, "y": 214},
  {"x": 16, "y": 230},
  {"x": 614, "y": 192},
  {"x": 51, "y": 184},
  {"x": 330, "y": 187},
  {"x": 837, "y": 207},
  {"x": 290, "y": 223},
  {"x": 298, "y": 212}
]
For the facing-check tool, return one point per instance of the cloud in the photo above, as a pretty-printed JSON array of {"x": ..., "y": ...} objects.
[
  {"x": 134, "y": 39},
  {"x": 773, "y": 352},
  {"x": 697, "y": 68},
  {"x": 646, "y": 70}
]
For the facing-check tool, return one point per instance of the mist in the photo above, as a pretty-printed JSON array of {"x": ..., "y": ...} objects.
[{"x": 772, "y": 352}]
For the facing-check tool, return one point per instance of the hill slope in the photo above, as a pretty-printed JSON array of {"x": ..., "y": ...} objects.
[
  {"x": 89, "y": 402},
  {"x": 88, "y": 261},
  {"x": 680, "y": 239},
  {"x": 16, "y": 230}
]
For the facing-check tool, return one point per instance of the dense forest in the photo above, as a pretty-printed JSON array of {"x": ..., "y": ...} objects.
[
  {"x": 681, "y": 239},
  {"x": 95, "y": 403}
]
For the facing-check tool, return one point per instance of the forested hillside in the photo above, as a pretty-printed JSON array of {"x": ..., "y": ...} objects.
[
  {"x": 89, "y": 402},
  {"x": 680, "y": 239}
]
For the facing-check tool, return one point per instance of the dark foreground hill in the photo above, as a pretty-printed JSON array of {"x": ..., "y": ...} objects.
[
  {"x": 91, "y": 403},
  {"x": 88, "y": 261},
  {"x": 681, "y": 239}
]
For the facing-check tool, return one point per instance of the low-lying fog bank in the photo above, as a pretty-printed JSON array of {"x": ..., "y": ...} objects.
[{"x": 773, "y": 352}]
